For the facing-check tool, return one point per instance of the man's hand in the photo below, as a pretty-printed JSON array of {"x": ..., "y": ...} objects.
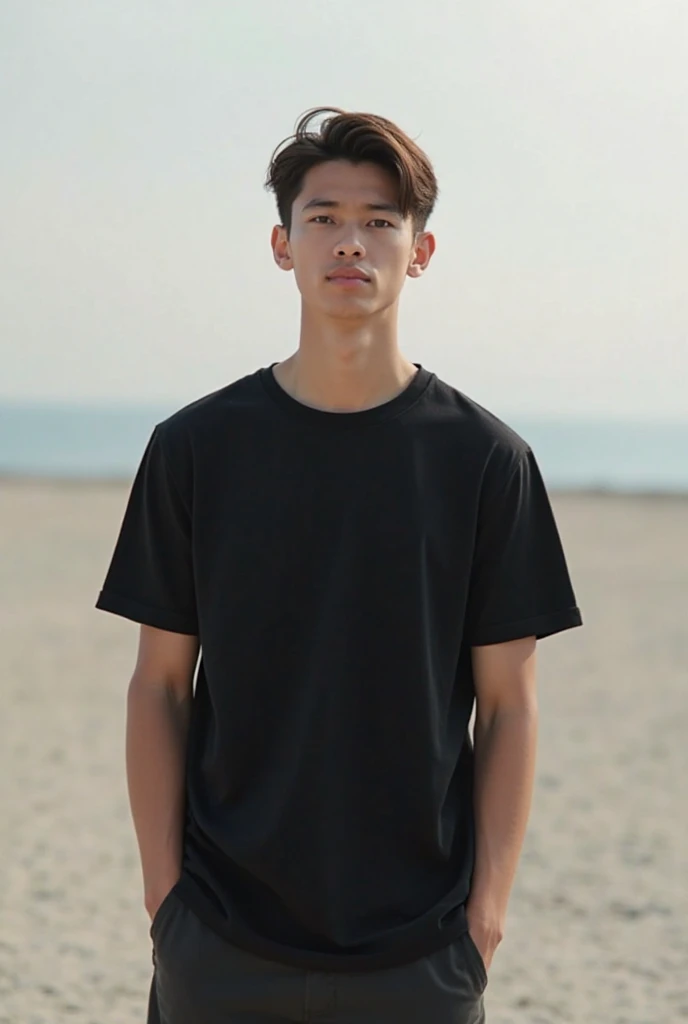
[
  {"x": 487, "y": 930},
  {"x": 154, "y": 899}
]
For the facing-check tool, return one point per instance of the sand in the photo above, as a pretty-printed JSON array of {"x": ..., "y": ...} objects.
[{"x": 598, "y": 923}]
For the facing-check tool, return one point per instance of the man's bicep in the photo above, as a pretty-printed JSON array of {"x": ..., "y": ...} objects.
[
  {"x": 150, "y": 579},
  {"x": 166, "y": 659},
  {"x": 504, "y": 677},
  {"x": 519, "y": 581}
]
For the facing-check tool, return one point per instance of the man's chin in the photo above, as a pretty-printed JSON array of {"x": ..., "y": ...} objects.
[
  {"x": 351, "y": 306},
  {"x": 345, "y": 307}
]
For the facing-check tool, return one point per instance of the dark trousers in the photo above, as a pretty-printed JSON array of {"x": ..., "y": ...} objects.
[{"x": 200, "y": 978}]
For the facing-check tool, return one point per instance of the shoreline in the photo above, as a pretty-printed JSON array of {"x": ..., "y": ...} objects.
[{"x": 60, "y": 482}]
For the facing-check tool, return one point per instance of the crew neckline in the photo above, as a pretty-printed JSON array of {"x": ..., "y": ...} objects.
[{"x": 327, "y": 417}]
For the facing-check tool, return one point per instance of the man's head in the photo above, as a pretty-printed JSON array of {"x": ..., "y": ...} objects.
[{"x": 354, "y": 196}]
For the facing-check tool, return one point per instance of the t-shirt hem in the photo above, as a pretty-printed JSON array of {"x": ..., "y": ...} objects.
[
  {"x": 539, "y": 626},
  {"x": 161, "y": 618},
  {"x": 374, "y": 959}
]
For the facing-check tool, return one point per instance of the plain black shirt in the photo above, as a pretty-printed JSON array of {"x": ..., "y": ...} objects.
[{"x": 337, "y": 569}]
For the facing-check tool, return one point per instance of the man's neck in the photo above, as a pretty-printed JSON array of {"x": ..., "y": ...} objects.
[{"x": 344, "y": 367}]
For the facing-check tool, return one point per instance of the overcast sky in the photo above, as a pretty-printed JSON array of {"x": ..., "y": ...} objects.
[{"x": 134, "y": 228}]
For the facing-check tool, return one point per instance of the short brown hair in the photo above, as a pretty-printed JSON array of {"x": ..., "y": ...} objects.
[{"x": 358, "y": 138}]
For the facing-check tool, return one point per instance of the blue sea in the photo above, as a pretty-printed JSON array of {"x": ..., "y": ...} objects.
[{"x": 98, "y": 442}]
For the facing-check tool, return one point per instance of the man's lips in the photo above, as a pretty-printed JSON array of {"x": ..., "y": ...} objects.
[{"x": 347, "y": 274}]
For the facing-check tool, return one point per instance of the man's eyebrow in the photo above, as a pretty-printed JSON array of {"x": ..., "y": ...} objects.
[
  {"x": 385, "y": 207},
  {"x": 332, "y": 204},
  {"x": 325, "y": 203}
]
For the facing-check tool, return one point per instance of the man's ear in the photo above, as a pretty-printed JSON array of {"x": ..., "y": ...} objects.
[
  {"x": 423, "y": 248},
  {"x": 281, "y": 250}
]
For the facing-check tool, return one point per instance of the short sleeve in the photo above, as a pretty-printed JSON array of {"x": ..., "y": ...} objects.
[
  {"x": 150, "y": 578},
  {"x": 520, "y": 584}
]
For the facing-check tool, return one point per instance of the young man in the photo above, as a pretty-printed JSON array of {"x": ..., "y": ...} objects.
[{"x": 360, "y": 553}]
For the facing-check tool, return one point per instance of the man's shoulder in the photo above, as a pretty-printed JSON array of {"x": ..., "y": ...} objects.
[
  {"x": 476, "y": 424},
  {"x": 211, "y": 410}
]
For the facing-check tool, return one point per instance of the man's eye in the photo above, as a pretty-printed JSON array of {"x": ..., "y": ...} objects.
[
  {"x": 380, "y": 223},
  {"x": 320, "y": 219}
]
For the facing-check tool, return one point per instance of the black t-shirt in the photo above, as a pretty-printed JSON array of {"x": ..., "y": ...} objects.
[{"x": 337, "y": 569}]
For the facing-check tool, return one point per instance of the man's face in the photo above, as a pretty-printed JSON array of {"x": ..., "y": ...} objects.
[{"x": 346, "y": 221}]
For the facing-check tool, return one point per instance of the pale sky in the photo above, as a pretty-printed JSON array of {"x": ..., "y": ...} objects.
[{"x": 134, "y": 228}]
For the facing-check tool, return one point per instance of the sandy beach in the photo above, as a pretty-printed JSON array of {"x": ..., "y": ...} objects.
[{"x": 598, "y": 924}]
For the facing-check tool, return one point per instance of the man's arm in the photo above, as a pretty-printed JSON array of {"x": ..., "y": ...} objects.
[
  {"x": 505, "y": 747},
  {"x": 158, "y": 710}
]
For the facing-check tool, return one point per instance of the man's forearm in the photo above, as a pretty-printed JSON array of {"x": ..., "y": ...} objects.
[
  {"x": 157, "y": 731},
  {"x": 505, "y": 751}
]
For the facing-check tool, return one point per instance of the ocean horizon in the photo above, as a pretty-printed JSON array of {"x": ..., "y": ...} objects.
[{"x": 83, "y": 442}]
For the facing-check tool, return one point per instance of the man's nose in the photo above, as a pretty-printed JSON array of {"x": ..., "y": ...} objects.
[{"x": 349, "y": 248}]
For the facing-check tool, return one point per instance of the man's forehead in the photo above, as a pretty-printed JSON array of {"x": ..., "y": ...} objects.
[{"x": 348, "y": 184}]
